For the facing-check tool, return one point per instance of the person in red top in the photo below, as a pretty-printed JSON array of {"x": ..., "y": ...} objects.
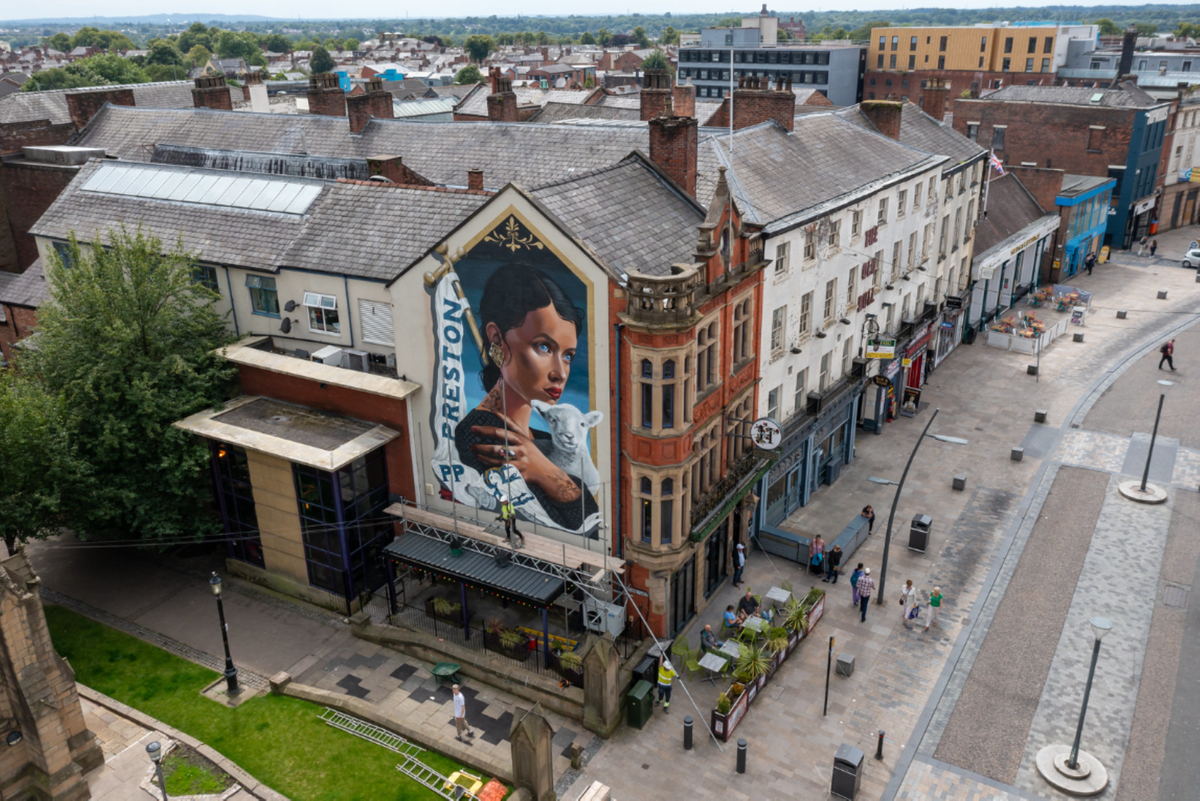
[{"x": 1167, "y": 351}]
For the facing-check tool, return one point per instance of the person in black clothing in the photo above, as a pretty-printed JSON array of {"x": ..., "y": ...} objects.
[
  {"x": 531, "y": 330},
  {"x": 1089, "y": 262},
  {"x": 869, "y": 513},
  {"x": 747, "y": 607},
  {"x": 833, "y": 560}
]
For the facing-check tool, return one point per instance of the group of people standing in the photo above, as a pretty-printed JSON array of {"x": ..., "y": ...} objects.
[{"x": 862, "y": 587}]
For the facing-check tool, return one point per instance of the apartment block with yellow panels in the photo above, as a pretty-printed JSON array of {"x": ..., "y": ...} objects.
[{"x": 963, "y": 49}]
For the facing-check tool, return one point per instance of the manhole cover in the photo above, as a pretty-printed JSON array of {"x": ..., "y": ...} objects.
[{"x": 1175, "y": 596}]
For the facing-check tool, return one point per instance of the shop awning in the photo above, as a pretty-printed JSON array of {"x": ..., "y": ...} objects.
[
  {"x": 475, "y": 569},
  {"x": 733, "y": 501}
]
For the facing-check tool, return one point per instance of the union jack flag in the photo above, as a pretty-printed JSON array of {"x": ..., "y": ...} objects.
[{"x": 997, "y": 164}]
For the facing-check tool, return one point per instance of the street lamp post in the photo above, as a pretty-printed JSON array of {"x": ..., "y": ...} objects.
[
  {"x": 1100, "y": 627},
  {"x": 231, "y": 680},
  {"x": 155, "y": 752},
  {"x": 887, "y": 539},
  {"x": 1158, "y": 416}
]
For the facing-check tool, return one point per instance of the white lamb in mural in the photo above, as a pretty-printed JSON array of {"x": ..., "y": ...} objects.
[{"x": 568, "y": 430}]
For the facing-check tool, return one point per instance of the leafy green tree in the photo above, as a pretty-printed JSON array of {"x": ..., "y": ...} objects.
[
  {"x": 1186, "y": 30},
  {"x": 41, "y": 471},
  {"x": 112, "y": 68},
  {"x": 468, "y": 74},
  {"x": 105, "y": 40},
  {"x": 237, "y": 44},
  {"x": 1108, "y": 27},
  {"x": 165, "y": 53},
  {"x": 669, "y": 36},
  {"x": 278, "y": 43},
  {"x": 587, "y": 38},
  {"x": 353, "y": 44},
  {"x": 863, "y": 32},
  {"x": 127, "y": 339},
  {"x": 59, "y": 41},
  {"x": 543, "y": 38},
  {"x": 100, "y": 70},
  {"x": 321, "y": 61},
  {"x": 165, "y": 72},
  {"x": 603, "y": 37},
  {"x": 639, "y": 36},
  {"x": 655, "y": 61},
  {"x": 478, "y": 46},
  {"x": 197, "y": 34},
  {"x": 198, "y": 55},
  {"x": 1146, "y": 29}
]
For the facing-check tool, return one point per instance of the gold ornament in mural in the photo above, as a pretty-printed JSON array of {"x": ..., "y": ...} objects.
[{"x": 512, "y": 238}]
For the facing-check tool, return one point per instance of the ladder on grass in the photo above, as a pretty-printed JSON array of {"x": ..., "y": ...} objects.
[
  {"x": 428, "y": 777},
  {"x": 370, "y": 732}
]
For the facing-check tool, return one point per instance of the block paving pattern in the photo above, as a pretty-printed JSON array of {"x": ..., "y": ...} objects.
[{"x": 1089, "y": 449}]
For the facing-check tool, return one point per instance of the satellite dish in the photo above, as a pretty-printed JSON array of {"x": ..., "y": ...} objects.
[
  {"x": 286, "y": 325},
  {"x": 290, "y": 306}
]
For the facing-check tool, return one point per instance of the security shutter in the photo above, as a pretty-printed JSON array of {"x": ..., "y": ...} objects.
[{"x": 376, "y": 322}]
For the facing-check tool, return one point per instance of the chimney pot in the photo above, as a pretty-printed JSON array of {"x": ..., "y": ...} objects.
[
  {"x": 475, "y": 179},
  {"x": 884, "y": 115},
  {"x": 674, "y": 145}
]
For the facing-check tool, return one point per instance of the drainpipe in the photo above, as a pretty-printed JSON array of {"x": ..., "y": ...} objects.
[{"x": 620, "y": 533}]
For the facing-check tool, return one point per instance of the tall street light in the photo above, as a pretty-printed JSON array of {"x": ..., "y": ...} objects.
[
  {"x": 887, "y": 539},
  {"x": 1100, "y": 627},
  {"x": 231, "y": 680},
  {"x": 1158, "y": 416},
  {"x": 155, "y": 752}
]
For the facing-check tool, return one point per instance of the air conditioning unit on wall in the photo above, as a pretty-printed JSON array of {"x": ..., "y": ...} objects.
[{"x": 356, "y": 360}]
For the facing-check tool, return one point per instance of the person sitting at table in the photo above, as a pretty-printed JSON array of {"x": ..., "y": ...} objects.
[
  {"x": 732, "y": 620},
  {"x": 747, "y": 607},
  {"x": 708, "y": 640}
]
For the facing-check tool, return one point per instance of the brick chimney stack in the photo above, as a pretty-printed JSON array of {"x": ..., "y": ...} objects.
[
  {"x": 82, "y": 106},
  {"x": 656, "y": 88},
  {"x": 884, "y": 115},
  {"x": 1128, "y": 45},
  {"x": 937, "y": 95},
  {"x": 376, "y": 103},
  {"x": 475, "y": 179},
  {"x": 674, "y": 144},
  {"x": 210, "y": 91},
  {"x": 392, "y": 168},
  {"x": 754, "y": 102},
  {"x": 325, "y": 95},
  {"x": 502, "y": 102},
  {"x": 684, "y": 100},
  {"x": 250, "y": 79}
]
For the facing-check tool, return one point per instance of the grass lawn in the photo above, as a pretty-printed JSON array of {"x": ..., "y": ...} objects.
[
  {"x": 278, "y": 740},
  {"x": 188, "y": 774}
]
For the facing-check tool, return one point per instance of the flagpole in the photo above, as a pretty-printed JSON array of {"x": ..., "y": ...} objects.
[{"x": 987, "y": 184}]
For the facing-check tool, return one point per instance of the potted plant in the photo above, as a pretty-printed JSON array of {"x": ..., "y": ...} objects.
[
  {"x": 795, "y": 620},
  {"x": 752, "y": 667},
  {"x": 570, "y": 667},
  {"x": 511, "y": 643},
  {"x": 723, "y": 704},
  {"x": 731, "y": 706},
  {"x": 445, "y": 610}
]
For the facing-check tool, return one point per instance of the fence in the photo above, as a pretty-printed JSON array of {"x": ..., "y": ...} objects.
[{"x": 1030, "y": 345}]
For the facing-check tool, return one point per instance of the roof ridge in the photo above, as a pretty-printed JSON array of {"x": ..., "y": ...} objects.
[
  {"x": 418, "y": 187},
  {"x": 624, "y": 161}
]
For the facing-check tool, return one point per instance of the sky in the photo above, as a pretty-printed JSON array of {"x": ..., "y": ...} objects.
[{"x": 321, "y": 9}]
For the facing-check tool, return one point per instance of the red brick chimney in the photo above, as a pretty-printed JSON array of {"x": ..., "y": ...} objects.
[
  {"x": 684, "y": 99},
  {"x": 936, "y": 96},
  {"x": 325, "y": 95},
  {"x": 82, "y": 106},
  {"x": 884, "y": 115},
  {"x": 674, "y": 142},
  {"x": 211, "y": 92},
  {"x": 250, "y": 79},
  {"x": 392, "y": 168},
  {"x": 502, "y": 102},
  {"x": 656, "y": 88},
  {"x": 475, "y": 179},
  {"x": 375, "y": 102},
  {"x": 754, "y": 102}
]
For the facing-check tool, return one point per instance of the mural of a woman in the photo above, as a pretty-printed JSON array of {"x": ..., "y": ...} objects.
[{"x": 530, "y": 330}]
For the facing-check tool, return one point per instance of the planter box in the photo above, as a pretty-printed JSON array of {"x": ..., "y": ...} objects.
[
  {"x": 815, "y": 614},
  {"x": 450, "y": 620},
  {"x": 570, "y": 674},
  {"x": 724, "y": 725},
  {"x": 518, "y": 653}
]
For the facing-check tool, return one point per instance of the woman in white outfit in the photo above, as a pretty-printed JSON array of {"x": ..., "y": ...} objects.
[{"x": 908, "y": 600}]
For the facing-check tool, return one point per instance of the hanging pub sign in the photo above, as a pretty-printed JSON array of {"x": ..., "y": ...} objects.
[
  {"x": 880, "y": 349},
  {"x": 882, "y": 381},
  {"x": 766, "y": 434}
]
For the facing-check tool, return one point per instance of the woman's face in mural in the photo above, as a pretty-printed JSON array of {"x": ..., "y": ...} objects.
[{"x": 537, "y": 354}]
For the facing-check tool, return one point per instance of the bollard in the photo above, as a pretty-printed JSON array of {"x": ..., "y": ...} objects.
[
  {"x": 879, "y": 750},
  {"x": 687, "y": 733},
  {"x": 741, "y": 765}
]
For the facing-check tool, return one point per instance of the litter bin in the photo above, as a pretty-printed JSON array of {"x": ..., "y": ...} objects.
[
  {"x": 847, "y": 771},
  {"x": 639, "y": 704},
  {"x": 918, "y": 534},
  {"x": 646, "y": 670}
]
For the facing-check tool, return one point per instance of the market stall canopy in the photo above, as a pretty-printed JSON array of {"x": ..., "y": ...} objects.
[{"x": 475, "y": 569}]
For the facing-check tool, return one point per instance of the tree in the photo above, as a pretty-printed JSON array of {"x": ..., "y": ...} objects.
[
  {"x": 128, "y": 339},
  {"x": 1146, "y": 29},
  {"x": 59, "y": 41},
  {"x": 620, "y": 39},
  {"x": 863, "y": 32},
  {"x": 468, "y": 74},
  {"x": 587, "y": 38},
  {"x": 1108, "y": 27},
  {"x": 1186, "y": 30},
  {"x": 353, "y": 44},
  {"x": 198, "y": 56},
  {"x": 478, "y": 46},
  {"x": 671, "y": 36},
  {"x": 278, "y": 43},
  {"x": 243, "y": 45},
  {"x": 165, "y": 72},
  {"x": 321, "y": 60},
  {"x": 101, "y": 70},
  {"x": 40, "y": 468},
  {"x": 88, "y": 36},
  {"x": 112, "y": 68},
  {"x": 639, "y": 36},
  {"x": 603, "y": 37},
  {"x": 163, "y": 52},
  {"x": 655, "y": 61},
  {"x": 196, "y": 35}
]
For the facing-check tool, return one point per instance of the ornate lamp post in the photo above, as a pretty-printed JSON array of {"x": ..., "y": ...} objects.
[{"x": 231, "y": 680}]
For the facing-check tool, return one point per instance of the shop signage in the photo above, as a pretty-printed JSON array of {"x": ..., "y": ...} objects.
[
  {"x": 766, "y": 434},
  {"x": 906, "y": 362},
  {"x": 1157, "y": 115},
  {"x": 953, "y": 302},
  {"x": 1018, "y": 248},
  {"x": 892, "y": 369},
  {"x": 912, "y": 401},
  {"x": 1144, "y": 206},
  {"x": 881, "y": 381},
  {"x": 880, "y": 349},
  {"x": 636, "y": 591},
  {"x": 1189, "y": 175},
  {"x": 919, "y": 342}
]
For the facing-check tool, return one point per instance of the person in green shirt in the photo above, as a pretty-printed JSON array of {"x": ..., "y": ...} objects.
[
  {"x": 666, "y": 674},
  {"x": 510, "y": 522},
  {"x": 935, "y": 607}
]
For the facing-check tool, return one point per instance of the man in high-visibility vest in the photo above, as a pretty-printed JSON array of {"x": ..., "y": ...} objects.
[
  {"x": 666, "y": 674},
  {"x": 510, "y": 521}
]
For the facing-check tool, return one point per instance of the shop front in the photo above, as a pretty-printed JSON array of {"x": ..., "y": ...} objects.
[
  {"x": 950, "y": 327},
  {"x": 1008, "y": 270},
  {"x": 1140, "y": 220},
  {"x": 914, "y": 361},
  {"x": 1083, "y": 211}
]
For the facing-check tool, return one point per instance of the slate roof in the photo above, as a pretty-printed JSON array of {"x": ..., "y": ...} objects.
[
  {"x": 555, "y": 112},
  {"x": 1010, "y": 208},
  {"x": 456, "y": 90},
  {"x": 52, "y": 104},
  {"x": 776, "y": 174},
  {"x": 24, "y": 289},
  {"x": 328, "y": 238},
  {"x": 1126, "y": 97},
  {"x": 628, "y": 215},
  {"x": 440, "y": 151},
  {"x": 919, "y": 130},
  {"x": 476, "y": 104},
  {"x": 476, "y": 568}
]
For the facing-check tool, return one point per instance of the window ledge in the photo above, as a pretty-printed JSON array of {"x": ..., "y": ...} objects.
[{"x": 265, "y": 314}]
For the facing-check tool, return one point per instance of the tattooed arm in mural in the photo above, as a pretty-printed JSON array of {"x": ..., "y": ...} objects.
[{"x": 530, "y": 461}]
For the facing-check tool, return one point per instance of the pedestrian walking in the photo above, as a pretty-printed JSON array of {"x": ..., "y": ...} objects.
[
  {"x": 1090, "y": 262},
  {"x": 833, "y": 562},
  {"x": 866, "y": 586},
  {"x": 510, "y": 523},
  {"x": 1168, "y": 353},
  {"x": 1142, "y": 246},
  {"x": 869, "y": 513},
  {"x": 460, "y": 715},
  {"x": 739, "y": 562},
  {"x": 908, "y": 601},
  {"x": 1153, "y": 247},
  {"x": 666, "y": 674},
  {"x": 935, "y": 607},
  {"x": 816, "y": 555},
  {"x": 855, "y": 575}
]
